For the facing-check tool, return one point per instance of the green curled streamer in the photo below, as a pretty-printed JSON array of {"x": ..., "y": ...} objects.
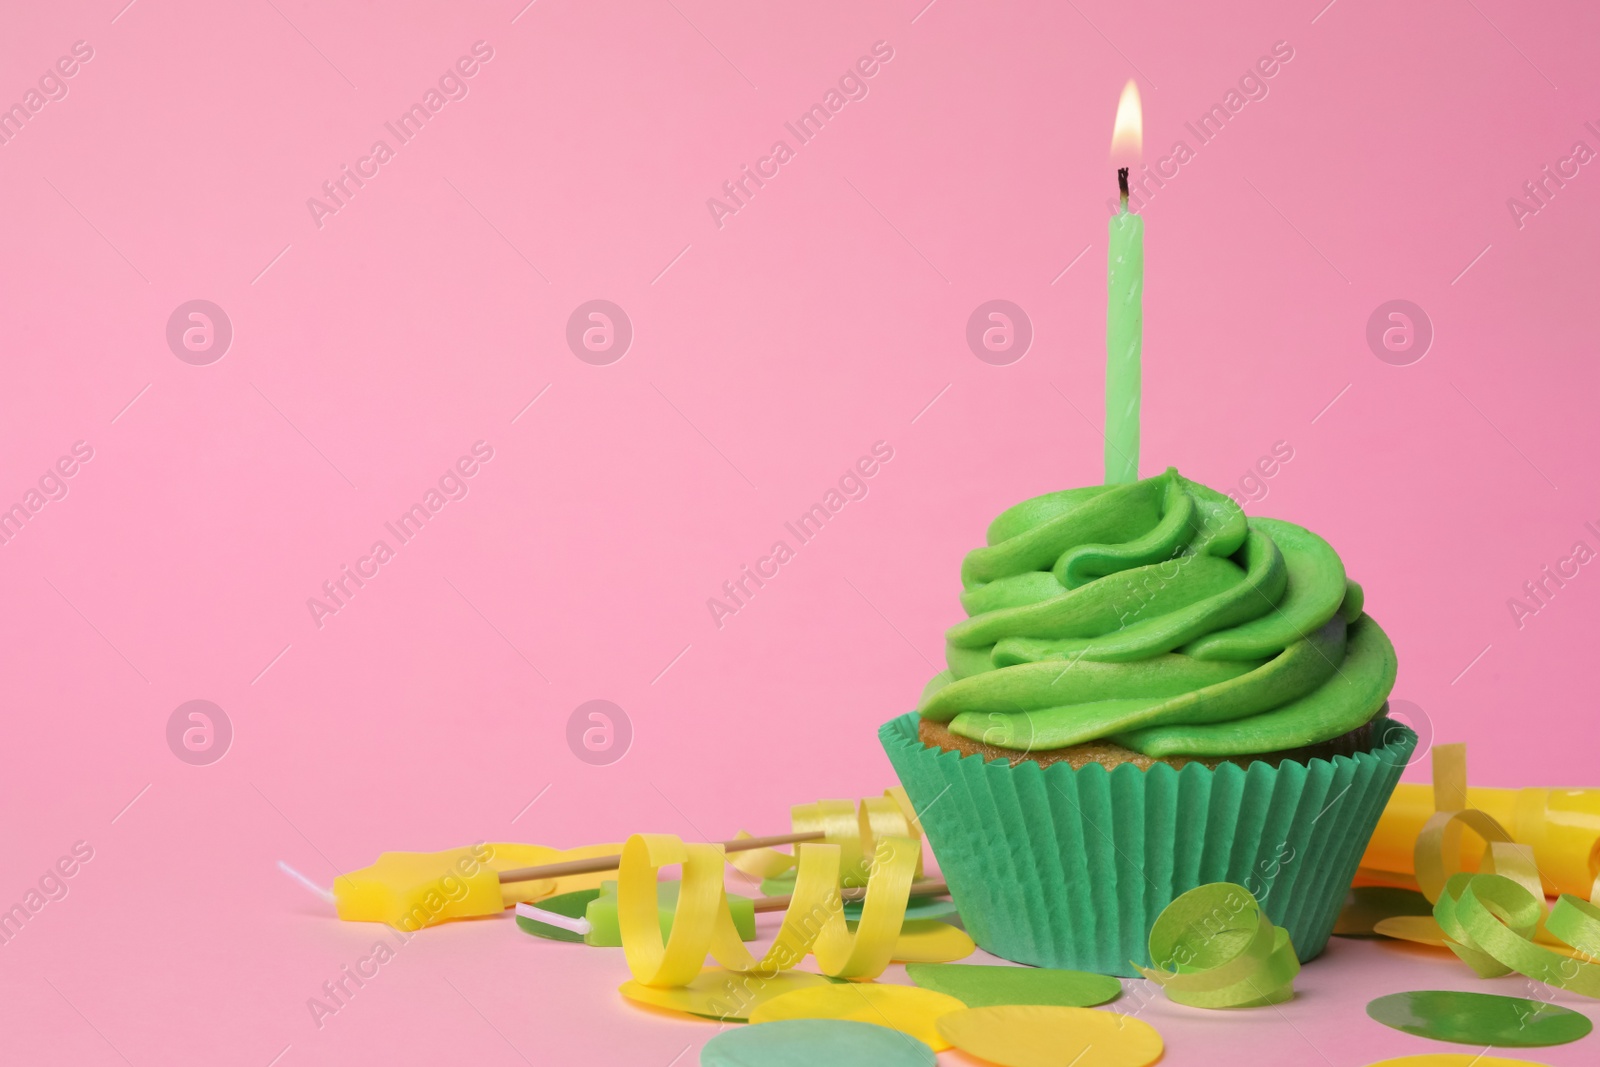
[
  {"x": 1490, "y": 921},
  {"x": 1215, "y": 948},
  {"x": 1577, "y": 922}
]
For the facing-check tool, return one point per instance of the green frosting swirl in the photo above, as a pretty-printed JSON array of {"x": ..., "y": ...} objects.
[{"x": 1156, "y": 615}]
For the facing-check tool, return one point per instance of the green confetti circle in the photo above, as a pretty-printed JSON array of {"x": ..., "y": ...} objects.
[
  {"x": 1479, "y": 1018},
  {"x": 984, "y": 986},
  {"x": 810, "y": 1042}
]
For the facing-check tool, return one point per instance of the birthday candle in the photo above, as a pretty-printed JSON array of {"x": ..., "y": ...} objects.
[{"x": 1124, "y": 302}]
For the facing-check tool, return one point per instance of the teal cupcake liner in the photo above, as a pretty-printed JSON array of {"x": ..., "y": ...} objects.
[{"x": 1063, "y": 867}]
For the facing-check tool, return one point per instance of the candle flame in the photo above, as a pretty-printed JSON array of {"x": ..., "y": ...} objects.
[{"x": 1127, "y": 136}]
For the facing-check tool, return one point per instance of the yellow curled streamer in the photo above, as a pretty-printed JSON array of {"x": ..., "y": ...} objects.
[
  {"x": 866, "y": 952},
  {"x": 1437, "y": 853},
  {"x": 814, "y": 922},
  {"x": 845, "y": 824},
  {"x": 1491, "y": 919},
  {"x": 853, "y": 826}
]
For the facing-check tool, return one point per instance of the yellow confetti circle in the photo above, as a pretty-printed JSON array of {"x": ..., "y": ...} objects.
[
  {"x": 1035, "y": 1035},
  {"x": 727, "y": 996},
  {"x": 1452, "y": 1059},
  {"x": 931, "y": 941},
  {"x": 908, "y": 1009}
]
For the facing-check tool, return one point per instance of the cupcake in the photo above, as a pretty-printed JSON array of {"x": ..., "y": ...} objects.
[{"x": 1150, "y": 692}]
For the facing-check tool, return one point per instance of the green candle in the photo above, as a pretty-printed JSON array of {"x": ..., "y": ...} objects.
[{"x": 1124, "y": 306}]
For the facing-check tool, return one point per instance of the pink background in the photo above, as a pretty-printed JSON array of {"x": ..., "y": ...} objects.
[{"x": 768, "y": 354}]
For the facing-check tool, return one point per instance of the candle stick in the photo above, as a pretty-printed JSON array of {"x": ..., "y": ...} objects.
[{"x": 1124, "y": 302}]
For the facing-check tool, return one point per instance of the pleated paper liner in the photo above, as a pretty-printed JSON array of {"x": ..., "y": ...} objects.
[{"x": 1063, "y": 867}]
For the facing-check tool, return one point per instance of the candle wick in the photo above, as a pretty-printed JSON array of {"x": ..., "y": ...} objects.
[{"x": 1122, "y": 186}]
